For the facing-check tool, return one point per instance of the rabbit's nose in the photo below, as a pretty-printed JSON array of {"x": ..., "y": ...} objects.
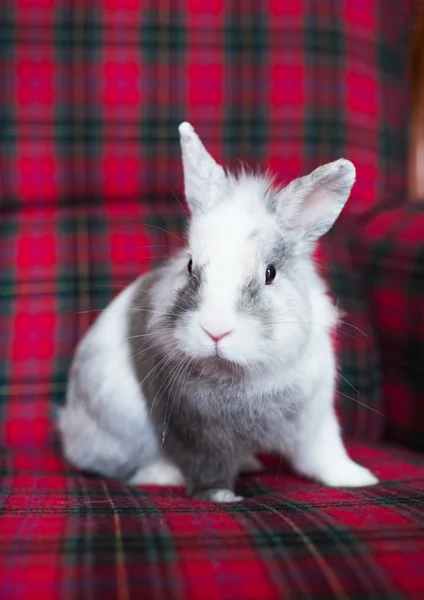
[{"x": 217, "y": 336}]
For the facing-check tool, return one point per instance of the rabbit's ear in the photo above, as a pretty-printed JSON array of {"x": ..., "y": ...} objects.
[
  {"x": 311, "y": 204},
  {"x": 204, "y": 179}
]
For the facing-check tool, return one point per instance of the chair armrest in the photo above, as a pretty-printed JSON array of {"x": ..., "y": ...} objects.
[{"x": 389, "y": 251}]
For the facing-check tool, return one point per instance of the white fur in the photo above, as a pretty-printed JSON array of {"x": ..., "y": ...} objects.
[
  {"x": 312, "y": 203},
  {"x": 225, "y": 496},
  {"x": 162, "y": 472},
  {"x": 230, "y": 225},
  {"x": 103, "y": 430},
  {"x": 225, "y": 234},
  {"x": 203, "y": 177}
]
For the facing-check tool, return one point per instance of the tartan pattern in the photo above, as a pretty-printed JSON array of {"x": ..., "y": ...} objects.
[
  {"x": 390, "y": 253},
  {"x": 90, "y": 179},
  {"x": 54, "y": 280},
  {"x": 60, "y": 292},
  {"x": 91, "y": 97},
  {"x": 66, "y": 535},
  {"x": 358, "y": 399},
  {"x": 92, "y": 93}
]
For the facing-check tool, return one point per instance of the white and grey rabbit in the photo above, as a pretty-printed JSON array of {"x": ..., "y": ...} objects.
[{"x": 225, "y": 350}]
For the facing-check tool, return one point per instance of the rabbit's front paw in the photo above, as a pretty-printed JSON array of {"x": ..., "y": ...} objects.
[
  {"x": 350, "y": 475},
  {"x": 217, "y": 495}
]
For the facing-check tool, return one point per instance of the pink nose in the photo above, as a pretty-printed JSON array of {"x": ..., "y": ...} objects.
[{"x": 217, "y": 338}]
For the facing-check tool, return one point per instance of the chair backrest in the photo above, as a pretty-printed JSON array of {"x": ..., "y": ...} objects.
[{"x": 90, "y": 98}]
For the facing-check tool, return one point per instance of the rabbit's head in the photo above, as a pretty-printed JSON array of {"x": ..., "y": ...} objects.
[{"x": 248, "y": 292}]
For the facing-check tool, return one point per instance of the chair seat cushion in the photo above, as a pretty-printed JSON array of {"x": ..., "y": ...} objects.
[{"x": 68, "y": 535}]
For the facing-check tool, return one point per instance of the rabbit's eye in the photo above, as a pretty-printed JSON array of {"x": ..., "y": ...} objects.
[
  {"x": 190, "y": 266},
  {"x": 270, "y": 274}
]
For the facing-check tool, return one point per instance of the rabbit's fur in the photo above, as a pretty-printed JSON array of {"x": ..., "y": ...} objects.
[{"x": 153, "y": 398}]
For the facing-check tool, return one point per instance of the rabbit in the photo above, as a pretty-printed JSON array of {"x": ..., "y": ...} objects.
[{"x": 224, "y": 351}]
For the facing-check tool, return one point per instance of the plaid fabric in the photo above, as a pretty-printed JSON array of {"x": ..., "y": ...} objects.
[
  {"x": 91, "y": 96},
  {"x": 65, "y": 535},
  {"x": 359, "y": 400},
  {"x": 390, "y": 253},
  {"x": 58, "y": 268},
  {"x": 73, "y": 264},
  {"x": 92, "y": 92}
]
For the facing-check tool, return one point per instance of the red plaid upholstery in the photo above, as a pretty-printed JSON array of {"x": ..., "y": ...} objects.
[
  {"x": 359, "y": 399},
  {"x": 59, "y": 266},
  {"x": 91, "y": 93},
  {"x": 390, "y": 253},
  {"x": 91, "y": 97},
  {"x": 64, "y": 535}
]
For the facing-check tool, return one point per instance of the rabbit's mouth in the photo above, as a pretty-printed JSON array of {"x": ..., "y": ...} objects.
[{"x": 219, "y": 364}]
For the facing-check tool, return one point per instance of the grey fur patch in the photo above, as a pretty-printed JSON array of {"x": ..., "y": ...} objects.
[
  {"x": 274, "y": 250},
  {"x": 249, "y": 295},
  {"x": 139, "y": 312},
  {"x": 279, "y": 253},
  {"x": 186, "y": 435},
  {"x": 252, "y": 299},
  {"x": 253, "y": 302},
  {"x": 188, "y": 298},
  {"x": 272, "y": 202}
]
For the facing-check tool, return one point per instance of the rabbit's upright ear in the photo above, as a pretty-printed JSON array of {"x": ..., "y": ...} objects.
[
  {"x": 204, "y": 179},
  {"x": 311, "y": 204}
]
